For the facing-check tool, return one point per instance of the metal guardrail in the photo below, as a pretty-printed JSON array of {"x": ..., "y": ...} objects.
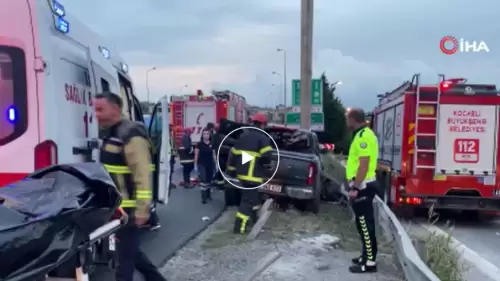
[{"x": 413, "y": 266}]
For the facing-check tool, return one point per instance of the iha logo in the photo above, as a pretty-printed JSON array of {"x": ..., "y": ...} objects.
[{"x": 450, "y": 45}]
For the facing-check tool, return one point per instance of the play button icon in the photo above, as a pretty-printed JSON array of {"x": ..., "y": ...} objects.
[
  {"x": 245, "y": 158},
  {"x": 249, "y": 160}
]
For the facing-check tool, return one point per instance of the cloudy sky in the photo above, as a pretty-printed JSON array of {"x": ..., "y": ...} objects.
[{"x": 371, "y": 46}]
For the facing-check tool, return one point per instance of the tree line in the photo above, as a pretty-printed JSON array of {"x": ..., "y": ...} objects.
[{"x": 336, "y": 131}]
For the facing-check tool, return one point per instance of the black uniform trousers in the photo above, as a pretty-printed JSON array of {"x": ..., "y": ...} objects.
[
  {"x": 131, "y": 257},
  {"x": 250, "y": 201},
  {"x": 362, "y": 206},
  {"x": 172, "y": 164},
  {"x": 187, "y": 168}
]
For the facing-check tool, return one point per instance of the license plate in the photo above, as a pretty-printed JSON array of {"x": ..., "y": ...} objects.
[{"x": 273, "y": 187}]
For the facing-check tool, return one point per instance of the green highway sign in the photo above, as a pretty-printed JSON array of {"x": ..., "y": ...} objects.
[
  {"x": 317, "y": 120},
  {"x": 316, "y": 92}
]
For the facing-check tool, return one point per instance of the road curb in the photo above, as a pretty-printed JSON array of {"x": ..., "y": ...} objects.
[
  {"x": 192, "y": 237},
  {"x": 483, "y": 265}
]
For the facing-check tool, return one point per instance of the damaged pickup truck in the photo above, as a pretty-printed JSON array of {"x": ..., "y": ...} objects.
[{"x": 299, "y": 174}]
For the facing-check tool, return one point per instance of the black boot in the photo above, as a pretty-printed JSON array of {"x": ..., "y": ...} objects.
[
  {"x": 203, "y": 196},
  {"x": 237, "y": 226},
  {"x": 363, "y": 268},
  {"x": 209, "y": 194},
  {"x": 357, "y": 261}
]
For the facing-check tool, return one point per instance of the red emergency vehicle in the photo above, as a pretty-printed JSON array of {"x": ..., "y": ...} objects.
[
  {"x": 196, "y": 111},
  {"x": 441, "y": 144}
]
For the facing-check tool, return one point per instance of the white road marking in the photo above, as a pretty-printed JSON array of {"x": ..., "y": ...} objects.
[{"x": 483, "y": 265}]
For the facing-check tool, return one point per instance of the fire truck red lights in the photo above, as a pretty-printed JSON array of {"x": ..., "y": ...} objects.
[
  {"x": 410, "y": 200},
  {"x": 448, "y": 83}
]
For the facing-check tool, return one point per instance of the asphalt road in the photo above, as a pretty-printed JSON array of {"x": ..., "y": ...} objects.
[
  {"x": 181, "y": 220},
  {"x": 478, "y": 241},
  {"x": 481, "y": 237}
]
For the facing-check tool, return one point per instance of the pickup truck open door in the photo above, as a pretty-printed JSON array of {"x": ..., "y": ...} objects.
[{"x": 160, "y": 137}]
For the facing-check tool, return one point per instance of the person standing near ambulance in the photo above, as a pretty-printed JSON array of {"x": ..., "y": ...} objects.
[
  {"x": 186, "y": 157},
  {"x": 204, "y": 160},
  {"x": 251, "y": 174},
  {"x": 126, "y": 155},
  {"x": 361, "y": 174}
]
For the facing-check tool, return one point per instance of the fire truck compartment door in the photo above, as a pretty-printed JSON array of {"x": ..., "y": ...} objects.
[
  {"x": 467, "y": 139},
  {"x": 197, "y": 115}
]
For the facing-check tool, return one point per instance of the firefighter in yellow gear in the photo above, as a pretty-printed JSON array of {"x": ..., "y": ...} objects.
[
  {"x": 251, "y": 174},
  {"x": 126, "y": 155},
  {"x": 361, "y": 173}
]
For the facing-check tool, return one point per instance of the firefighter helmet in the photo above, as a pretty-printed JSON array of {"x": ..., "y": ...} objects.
[{"x": 260, "y": 117}]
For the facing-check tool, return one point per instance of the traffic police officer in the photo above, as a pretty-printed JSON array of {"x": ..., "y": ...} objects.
[
  {"x": 360, "y": 172},
  {"x": 126, "y": 154},
  {"x": 186, "y": 157},
  {"x": 251, "y": 174}
]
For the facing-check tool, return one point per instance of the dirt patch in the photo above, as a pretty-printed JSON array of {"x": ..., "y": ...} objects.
[{"x": 312, "y": 247}]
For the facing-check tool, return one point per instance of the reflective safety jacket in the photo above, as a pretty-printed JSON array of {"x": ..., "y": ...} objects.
[
  {"x": 126, "y": 155},
  {"x": 186, "y": 151},
  {"x": 258, "y": 145}
]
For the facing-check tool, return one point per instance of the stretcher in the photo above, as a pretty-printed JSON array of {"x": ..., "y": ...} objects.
[
  {"x": 86, "y": 257},
  {"x": 59, "y": 222}
]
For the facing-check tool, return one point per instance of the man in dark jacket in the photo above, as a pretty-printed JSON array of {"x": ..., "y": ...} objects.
[
  {"x": 186, "y": 157},
  {"x": 126, "y": 155},
  {"x": 251, "y": 174},
  {"x": 216, "y": 143}
]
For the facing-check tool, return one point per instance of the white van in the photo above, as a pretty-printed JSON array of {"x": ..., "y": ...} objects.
[{"x": 51, "y": 65}]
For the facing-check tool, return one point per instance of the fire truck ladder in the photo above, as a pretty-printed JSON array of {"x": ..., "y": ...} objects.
[{"x": 435, "y": 118}]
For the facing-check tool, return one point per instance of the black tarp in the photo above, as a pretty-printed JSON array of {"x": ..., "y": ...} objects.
[{"x": 47, "y": 216}]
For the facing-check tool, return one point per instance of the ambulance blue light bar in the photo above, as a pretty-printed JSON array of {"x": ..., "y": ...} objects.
[
  {"x": 58, "y": 9},
  {"x": 62, "y": 25},
  {"x": 11, "y": 114}
]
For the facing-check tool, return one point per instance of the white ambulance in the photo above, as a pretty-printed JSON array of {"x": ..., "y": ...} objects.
[{"x": 51, "y": 65}]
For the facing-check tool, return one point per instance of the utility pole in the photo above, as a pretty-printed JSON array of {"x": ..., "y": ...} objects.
[{"x": 306, "y": 42}]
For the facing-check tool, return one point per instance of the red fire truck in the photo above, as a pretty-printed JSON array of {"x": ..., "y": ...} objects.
[
  {"x": 440, "y": 143},
  {"x": 196, "y": 111}
]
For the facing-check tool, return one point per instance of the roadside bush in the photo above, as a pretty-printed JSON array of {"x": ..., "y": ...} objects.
[{"x": 441, "y": 255}]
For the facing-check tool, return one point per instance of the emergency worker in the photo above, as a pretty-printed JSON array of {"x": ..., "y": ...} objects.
[
  {"x": 173, "y": 153},
  {"x": 204, "y": 161},
  {"x": 126, "y": 155},
  {"x": 216, "y": 143},
  {"x": 361, "y": 175},
  {"x": 186, "y": 157},
  {"x": 251, "y": 174}
]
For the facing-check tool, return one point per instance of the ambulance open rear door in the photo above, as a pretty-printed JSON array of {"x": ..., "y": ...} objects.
[{"x": 160, "y": 137}]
